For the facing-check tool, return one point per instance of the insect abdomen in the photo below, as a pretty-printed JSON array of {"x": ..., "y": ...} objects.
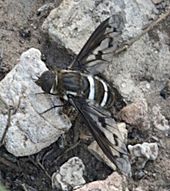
[
  {"x": 103, "y": 93},
  {"x": 86, "y": 86}
]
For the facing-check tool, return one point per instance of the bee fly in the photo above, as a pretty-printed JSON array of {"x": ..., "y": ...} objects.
[{"x": 90, "y": 94}]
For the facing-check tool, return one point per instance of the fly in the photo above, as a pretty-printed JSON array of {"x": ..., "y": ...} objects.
[{"x": 82, "y": 86}]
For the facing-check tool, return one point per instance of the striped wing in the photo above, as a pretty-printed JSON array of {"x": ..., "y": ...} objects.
[
  {"x": 99, "y": 125},
  {"x": 101, "y": 45}
]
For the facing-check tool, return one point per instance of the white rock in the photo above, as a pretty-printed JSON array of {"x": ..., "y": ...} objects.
[
  {"x": 141, "y": 12},
  {"x": 69, "y": 175},
  {"x": 73, "y": 22},
  {"x": 29, "y": 132},
  {"x": 143, "y": 152},
  {"x": 159, "y": 121}
]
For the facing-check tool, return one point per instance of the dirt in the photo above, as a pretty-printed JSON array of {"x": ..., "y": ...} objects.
[{"x": 20, "y": 29}]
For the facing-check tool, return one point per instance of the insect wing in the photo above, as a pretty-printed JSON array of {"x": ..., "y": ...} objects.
[
  {"x": 101, "y": 45},
  {"x": 100, "y": 127}
]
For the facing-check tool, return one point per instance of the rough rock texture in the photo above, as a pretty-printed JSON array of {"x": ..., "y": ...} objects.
[
  {"x": 73, "y": 21},
  {"x": 29, "y": 131},
  {"x": 141, "y": 153},
  {"x": 114, "y": 182},
  {"x": 137, "y": 70},
  {"x": 136, "y": 114},
  {"x": 159, "y": 121},
  {"x": 70, "y": 175}
]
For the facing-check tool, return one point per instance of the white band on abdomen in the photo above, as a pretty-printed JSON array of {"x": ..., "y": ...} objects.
[
  {"x": 105, "y": 96},
  {"x": 92, "y": 88}
]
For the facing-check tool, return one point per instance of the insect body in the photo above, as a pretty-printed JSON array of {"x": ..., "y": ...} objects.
[
  {"x": 87, "y": 86},
  {"x": 89, "y": 93}
]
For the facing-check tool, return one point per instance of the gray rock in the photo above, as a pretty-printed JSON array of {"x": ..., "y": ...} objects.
[
  {"x": 70, "y": 175},
  {"x": 72, "y": 22},
  {"x": 29, "y": 131},
  {"x": 141, "y": 153},
  {"x": 141, "y": 60}
]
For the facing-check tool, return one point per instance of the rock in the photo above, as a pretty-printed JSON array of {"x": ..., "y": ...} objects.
[
  {"x": 159, "y": 121},
  {"x": 138, "y": 174},
  {"x": 114, "y": 182},
  {"x": 73, "y": 22},
  {"x": 131, "y": 67},
  {"x": 136, "y": 114},
  {"x": 122, "y": 160},
  {"x": 125, "y": 84},
  {"x": 70, "y": 175},
  {"x": 29, "y": 131},
  {"x": 141, "y": 153}
]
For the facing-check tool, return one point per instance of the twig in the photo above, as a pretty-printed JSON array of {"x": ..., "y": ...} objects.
[
  {"x": 3, "y": 68},
  {"x": 10, "y": 113},
  {"x": 67, "y": 150},
  {"x": 42, "y": 167},
  {"x": 24, "y": 187},
  {"x": 7, "y": 126}
]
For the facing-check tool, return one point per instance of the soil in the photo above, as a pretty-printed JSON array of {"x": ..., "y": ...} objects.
[{"x": 20, "y": 29}]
